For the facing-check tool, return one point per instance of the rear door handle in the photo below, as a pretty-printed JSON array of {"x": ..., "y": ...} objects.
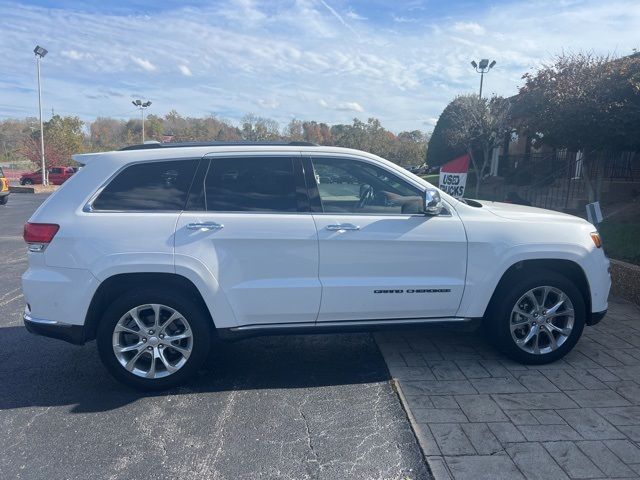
[
  {"x": 205, "y": 226},
  {"x": 342, "y": 226}
]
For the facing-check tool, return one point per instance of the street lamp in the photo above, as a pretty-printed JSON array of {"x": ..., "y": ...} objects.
[
  {"x": 141, "y": 105},
  {"x": 40, "y": 53},
  {"x": 482, "y": 68}
]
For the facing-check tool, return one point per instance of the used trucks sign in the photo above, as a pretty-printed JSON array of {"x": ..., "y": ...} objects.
[{"x": 453, "y": 176}]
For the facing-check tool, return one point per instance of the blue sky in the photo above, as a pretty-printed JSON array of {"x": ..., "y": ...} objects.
[{"x": 328, "y": 60}]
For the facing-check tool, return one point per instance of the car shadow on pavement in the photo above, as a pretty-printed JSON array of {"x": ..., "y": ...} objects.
[{"x": 36, "y": 371}]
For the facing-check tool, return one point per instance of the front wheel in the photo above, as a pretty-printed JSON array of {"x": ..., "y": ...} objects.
[
  {"x": 153, "y": 340},
  {"x": 27, "y": 181},
  {"x": 537, "y": 318},
  {"x": 4, "y": 199}
]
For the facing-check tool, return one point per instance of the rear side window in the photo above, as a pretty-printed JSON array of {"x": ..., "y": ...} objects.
[
  {"x": 251, "y": 184},
  {"x": 149, "y": 186}
]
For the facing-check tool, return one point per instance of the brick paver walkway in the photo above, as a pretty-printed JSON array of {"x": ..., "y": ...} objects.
[{"x": 479, "y": 415}]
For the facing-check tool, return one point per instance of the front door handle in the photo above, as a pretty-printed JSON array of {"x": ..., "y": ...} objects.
[
  {"x": 342, "y": 226},
  {"x": 205, "y": 226}
]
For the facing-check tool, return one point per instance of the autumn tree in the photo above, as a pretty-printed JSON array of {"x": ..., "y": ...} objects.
[
  {"x": 584, "y": 102},
  {"x": 63, "y": 136},
  {"x": 256, "y": 129},
  {"x": 478, "y": 125}
]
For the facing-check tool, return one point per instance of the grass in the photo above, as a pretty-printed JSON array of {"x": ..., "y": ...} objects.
[
  {"x": 432, "y": 179},
  {"x": 621, "y": 241}
]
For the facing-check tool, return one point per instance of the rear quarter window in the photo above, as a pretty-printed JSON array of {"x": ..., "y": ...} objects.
[{"x": 149, "y": 186}]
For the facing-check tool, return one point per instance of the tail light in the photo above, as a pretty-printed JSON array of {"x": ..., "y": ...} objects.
[{"x": 41, "y": 233}]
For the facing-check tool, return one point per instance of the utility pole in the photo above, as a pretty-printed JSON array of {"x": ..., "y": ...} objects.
[
  {"x": 142, "y": 105},
  {"x": 482, "y": 68},
  {"x": 40, "y": 53}
]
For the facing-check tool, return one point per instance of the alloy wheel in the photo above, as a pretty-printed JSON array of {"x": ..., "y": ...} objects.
[
  {"x": 152, "y": 341},
  {"x": 542, "y": 320}
]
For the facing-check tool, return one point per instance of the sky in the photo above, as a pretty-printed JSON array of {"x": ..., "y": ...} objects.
[{"x": 325, "y": 60}]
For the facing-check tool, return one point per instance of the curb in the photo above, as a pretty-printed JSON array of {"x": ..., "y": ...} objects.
[
  {"x": 21, "y": 189},
  {"x": 436, "y": 463},
  {"x": 625, "y": 280}
]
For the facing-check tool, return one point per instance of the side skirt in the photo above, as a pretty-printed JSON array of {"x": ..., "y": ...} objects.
[{"x": 348, "y": 326}]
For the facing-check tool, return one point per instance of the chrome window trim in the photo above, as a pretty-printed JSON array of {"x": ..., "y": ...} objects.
[{"x": 88, "y": 206}]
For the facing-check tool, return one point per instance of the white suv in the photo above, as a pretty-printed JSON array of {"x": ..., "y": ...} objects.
[{"x": 155, "y": 250}]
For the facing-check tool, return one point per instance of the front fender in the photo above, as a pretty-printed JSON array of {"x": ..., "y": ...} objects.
[{"x": 487, "y": 266}]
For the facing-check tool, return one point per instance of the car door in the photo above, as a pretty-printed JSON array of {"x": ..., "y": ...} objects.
[
  {"x": 380, "y": 256},
  {"x": 55, "y": 175},
  {"x": 248, "y": 221}
]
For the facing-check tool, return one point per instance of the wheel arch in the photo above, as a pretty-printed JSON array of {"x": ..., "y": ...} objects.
[
  {"x": 567, "y": 268},
  {"x": 117, "y": 284}
]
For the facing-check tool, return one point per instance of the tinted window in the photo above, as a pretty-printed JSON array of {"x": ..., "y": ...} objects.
[
  {"x": 149, "y": 186},
  {"x": 350, "y": 186},
  {"x": 259, "y": 184}
]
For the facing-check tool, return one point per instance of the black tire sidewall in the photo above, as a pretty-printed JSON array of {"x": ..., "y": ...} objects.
[
  {"x": 499, "y": 314},
  {"x": 199, "y": 322}
]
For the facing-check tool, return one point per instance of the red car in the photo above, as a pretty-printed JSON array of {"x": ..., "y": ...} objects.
[{"x": 57, "y": 176}]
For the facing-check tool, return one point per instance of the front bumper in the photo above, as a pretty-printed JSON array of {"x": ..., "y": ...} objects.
[
  {"x": 595, "y": 317},
  {"x": 51, "y": 328}
]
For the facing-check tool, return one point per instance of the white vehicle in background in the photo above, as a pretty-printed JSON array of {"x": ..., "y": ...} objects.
[{"x": 156, "y": 249}]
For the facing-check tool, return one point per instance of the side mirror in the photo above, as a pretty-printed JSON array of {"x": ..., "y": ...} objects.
[{"x": 432, "y": 202}]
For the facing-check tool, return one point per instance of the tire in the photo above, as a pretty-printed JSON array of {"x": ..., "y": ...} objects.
[
  {"x": 501, "y": 314},
  {"x": 27, "y": 181},
  {"x": 191, "y": 322},
  {"x": 4, "y": 200}
]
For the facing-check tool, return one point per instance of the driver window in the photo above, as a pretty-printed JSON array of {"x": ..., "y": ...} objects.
[{"x": 350, "y": 186}]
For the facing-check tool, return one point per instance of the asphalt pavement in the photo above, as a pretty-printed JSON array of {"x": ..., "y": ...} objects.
[{"x": 275, "y": 407}]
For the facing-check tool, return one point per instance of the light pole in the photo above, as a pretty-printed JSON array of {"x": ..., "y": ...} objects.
[
  {"x": 40, "y": 53},
  {"x": 482, "y": 68},
  {"x": 141, "y": 105}
]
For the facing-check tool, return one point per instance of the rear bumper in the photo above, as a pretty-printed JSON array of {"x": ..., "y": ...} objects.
[
  {"x": 595, "y": 317},
  {"x": 51, "y": 328}
]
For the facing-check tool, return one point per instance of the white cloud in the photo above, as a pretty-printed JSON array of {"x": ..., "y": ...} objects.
[
  {"x": 469, "y": 27},
  {"x": 350, "y": 107},
  {"x": 186, "y": 71},
  {"x": 74, "y": 54},
  {"x": 354, "y": 16},
  {"x": 270, "y": 103},
  {"x": 401, "y": 19},
  {"x": 144, "y": 64},
  {"x": 300, "y": 52}
]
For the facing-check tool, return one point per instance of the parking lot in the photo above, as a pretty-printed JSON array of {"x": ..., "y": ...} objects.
[{"x": 278, "y": 407}]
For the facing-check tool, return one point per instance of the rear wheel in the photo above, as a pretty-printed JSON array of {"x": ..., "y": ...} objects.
[
  {"x": 153, "y": 340},
  {"x": 537, "y": 318}
]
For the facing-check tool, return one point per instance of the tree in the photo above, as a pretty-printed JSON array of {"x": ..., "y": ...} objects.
[
  {"x": 258, "y": 129},
  {"x": 13, "y": 134},
  {"x": 411, "y": 148},
  {"x": 63, "y": 136},
  {"x": 478, "y": 125},
  {"x": 440, "y": 151},
  {"x": 293, "y": 131},
  {"x": 584, "y": 102},
  {"x": 106, "y": 134}
]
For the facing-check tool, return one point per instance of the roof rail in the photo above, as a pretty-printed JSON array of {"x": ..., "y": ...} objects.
[{"x": 146, "y": 146}]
